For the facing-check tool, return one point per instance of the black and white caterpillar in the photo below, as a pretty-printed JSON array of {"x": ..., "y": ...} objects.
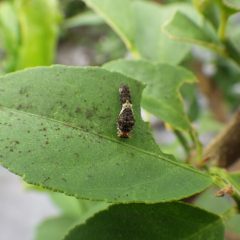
[{"x": 126, "y": 119}]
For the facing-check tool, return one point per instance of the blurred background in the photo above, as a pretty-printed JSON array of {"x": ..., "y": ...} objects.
[{"x": 45, "y": 32}]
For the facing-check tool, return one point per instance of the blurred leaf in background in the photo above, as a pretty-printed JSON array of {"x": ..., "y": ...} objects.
[{"x": 29, "y": 38}]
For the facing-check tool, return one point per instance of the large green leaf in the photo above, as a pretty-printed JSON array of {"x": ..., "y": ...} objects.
[
  {"x": 160, "y": 221},
  {"x": 58, "y": 130},
  {"x": 183, "y": 28},
  {"x": 38, "y": 21},
  {"x": 161, "y": 96},
  {"x": 139, "y": 23},
  {"x": 150, "y": 41}
]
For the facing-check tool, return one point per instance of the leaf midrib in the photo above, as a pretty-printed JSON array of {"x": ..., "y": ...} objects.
[{"x": 103, "y": 136}]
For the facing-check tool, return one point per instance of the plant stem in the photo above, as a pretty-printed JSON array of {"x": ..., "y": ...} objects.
[
  {"x": 237, "y": 200},
  {"x": 227, "y": 215},
  {"x": 181, "y": 138},
  {"x": 198, "y": 145},
  {"x": 222, "y": 25}
]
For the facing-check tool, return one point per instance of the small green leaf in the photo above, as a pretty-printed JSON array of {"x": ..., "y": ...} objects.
[
  {"x": 210, "y": 202},
  {"x": 183, "y": 28},
  {"x": 58, "y": 130},
  {"x": 71, "y": 206},
  {"x": 74, "y": 212},
  {"x": 235, "y": 4},
  {"x": 161, "y": 96},
  {"x": 38, "y": 24},
  {"x": 9, "y": 36},
  {"x": 160, "y": 221},
  {"x": 224, "y": 206},
  {"x": 83, "y": 19},
  {"x": 55, "y": 228}
]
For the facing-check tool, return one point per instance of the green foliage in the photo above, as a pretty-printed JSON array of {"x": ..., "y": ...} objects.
[
  {"x": 58, "y": 124},
  {"x": 183, "y": 28},
  {"x": 80, "y": 118}
]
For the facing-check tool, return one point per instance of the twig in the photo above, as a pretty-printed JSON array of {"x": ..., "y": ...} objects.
[{"x": 224, "y": 150}]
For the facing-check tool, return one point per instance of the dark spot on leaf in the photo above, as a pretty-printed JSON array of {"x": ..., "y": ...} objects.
[
  {"x": 42, "y": 129},
  {"x": 23, "y": 91},
  {"x": 28, "y": 131},
  {"x": 11, "y": 150},
  {"x": 78, "y": 110},
  {"x": 89, "y": 113},
  {"x": 64, "y": 179},
  {"x": 76, "y": 154},
  {"x": 64, "y": 106},
  {"x": 46, "y": 142},
  {"x": 46, "y": 179},
  {"x": 21, "y": 106},
  {"x": 29, "y": 151}
]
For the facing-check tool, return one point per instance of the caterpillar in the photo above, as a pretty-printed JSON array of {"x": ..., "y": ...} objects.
[{"x": 125, "y": 121}]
